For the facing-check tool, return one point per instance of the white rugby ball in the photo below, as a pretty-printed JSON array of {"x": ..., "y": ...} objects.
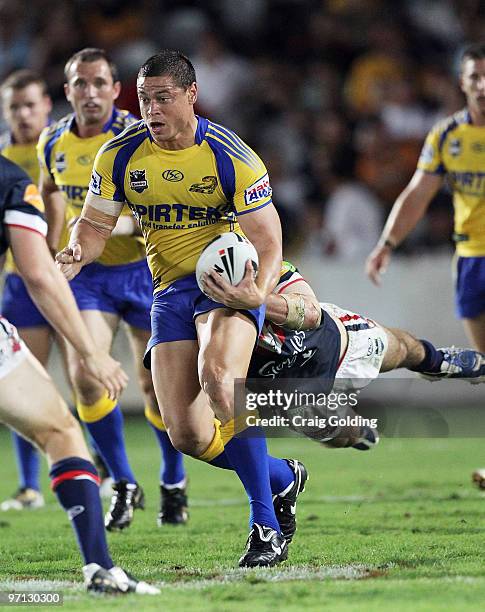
[{"x": 227, "y": 254}]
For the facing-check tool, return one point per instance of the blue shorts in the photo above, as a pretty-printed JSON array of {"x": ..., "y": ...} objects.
[
  {"x": 125, "y": 290},
  {"x": 470, "y": 287},
  {"x": 17, "y": 305},
  {"x": 175, "y": 308}
]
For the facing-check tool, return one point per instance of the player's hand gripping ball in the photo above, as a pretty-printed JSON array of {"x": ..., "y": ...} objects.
[{"x": 227, "y": 254}]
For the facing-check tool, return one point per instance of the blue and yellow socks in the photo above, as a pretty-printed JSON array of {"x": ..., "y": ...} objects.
[
  {"x": 104, "y": 421},
  {"x": 262, "y": 476}
]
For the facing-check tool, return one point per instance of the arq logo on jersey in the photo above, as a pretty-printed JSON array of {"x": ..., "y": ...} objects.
[
  {"x": 60, "y": 162},
  {"x": 174, "y": 176},
  {"x": 455, "y": 147},
  {"x": 260, "y": 190},
  {"x": 138, "y": 180}
]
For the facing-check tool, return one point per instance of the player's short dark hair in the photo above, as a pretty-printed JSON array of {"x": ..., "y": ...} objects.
[
  {"x": 23, "y": 78},
  {"x": 91, "y": 54},
  {"x": 473, "y": 52},
  {"x": 170, "y": 63}
]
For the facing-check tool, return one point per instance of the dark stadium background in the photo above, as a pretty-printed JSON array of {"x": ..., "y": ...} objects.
[{"x": 336, "y": 96}]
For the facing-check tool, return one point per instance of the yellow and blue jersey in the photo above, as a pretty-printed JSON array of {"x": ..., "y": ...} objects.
[
  {"x": 455, "y": 149},
  {"x": 68, "y": 159},
  {"x": 182, "y": 199},
  {"x": 25, "y": 156}
]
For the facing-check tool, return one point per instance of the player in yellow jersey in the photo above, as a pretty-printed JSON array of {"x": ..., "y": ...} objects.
[
  {"x": 116, "y": 287},
  {"x": 26, "y": 106},
  {"x": 454, "y": 150},
  {"x": 187, "y": 180}
]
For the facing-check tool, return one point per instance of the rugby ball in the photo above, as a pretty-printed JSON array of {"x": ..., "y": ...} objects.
[{"x": 227, "y": 254}]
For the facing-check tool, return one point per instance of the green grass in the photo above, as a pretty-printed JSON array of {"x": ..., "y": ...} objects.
[{"x": 396, "y": 528}]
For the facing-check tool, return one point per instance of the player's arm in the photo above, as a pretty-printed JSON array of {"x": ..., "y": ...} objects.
[
  {"x": 52, "y": 294},
  {"x": 294, "y": 307},
  {"x": 55, "y": 209},
  {"x": 89, "y": 235},
  {"x": 262, "y": 227},
  {"x": 408, "y": 209}
]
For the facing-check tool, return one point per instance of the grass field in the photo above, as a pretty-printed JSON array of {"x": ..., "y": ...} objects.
[{"x": 396, "y": 528}]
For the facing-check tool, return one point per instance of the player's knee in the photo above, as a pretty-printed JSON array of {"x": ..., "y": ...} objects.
[
  {"x": 59, "y": 430},
  {"x": 186, "y": 440},
  {"x": 88, "y": 390}
]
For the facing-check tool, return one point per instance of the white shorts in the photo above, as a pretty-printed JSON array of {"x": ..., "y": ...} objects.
[
  {"x": 365, "y": 352},
  {"x": 12, "y": 349}
]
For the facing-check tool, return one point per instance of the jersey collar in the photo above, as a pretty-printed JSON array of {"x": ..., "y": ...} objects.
[{"x": 106, "y": 126}]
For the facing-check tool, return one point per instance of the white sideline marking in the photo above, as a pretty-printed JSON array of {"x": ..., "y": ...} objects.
[{"x": 289, "y": 574}]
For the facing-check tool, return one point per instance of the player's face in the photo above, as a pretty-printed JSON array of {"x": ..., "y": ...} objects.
[
  {"x": 91, "y": 91},
  {"x": 473, "y": 84},
  {"x": 26, "y": 112},
  {"x": 167, "y": 109}
]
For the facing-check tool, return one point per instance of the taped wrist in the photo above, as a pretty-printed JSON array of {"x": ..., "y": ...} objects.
[{"x": 295, "y": 318}]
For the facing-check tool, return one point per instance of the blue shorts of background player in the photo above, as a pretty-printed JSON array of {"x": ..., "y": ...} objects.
[
  {"x": 125, "y": 290},
  {"x": 17, "y": 305},
  {"x": 470, "y": 287},
  {"x": 175, "y": 308}
]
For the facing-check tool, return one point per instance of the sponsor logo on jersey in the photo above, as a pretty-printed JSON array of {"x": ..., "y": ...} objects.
[
  {"x": 469, "y": 182},
  {"x": 95, "y": 184},
  {"x": 455, "y": 147},
  {"x": 138, "y": 180},
  {"x": 207, "y": 185},
  {"x": 173, "y": 176},
  {"x": 155, "y": 216},
  {"x": 85, "y": 160},
  {"x": 478, "y": 147},
  {"x": 60, "y": 162},
  {"x": 260, "y": 190},
  {"x": 75, "y": 194}
]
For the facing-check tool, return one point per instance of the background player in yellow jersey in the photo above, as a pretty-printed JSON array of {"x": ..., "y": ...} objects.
[
  {"x": 187, "y": 180},
  {"x": 455, "y": 150},
  {"x": 26, "y": 106},
  {"x": 116, "y": 287}
]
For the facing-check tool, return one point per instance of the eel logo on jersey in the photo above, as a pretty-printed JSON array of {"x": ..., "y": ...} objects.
[
  {"x": 455, "y": 147},
  {"x": 95, "y": 184},
  {"x": 138, "y": 180},
  {"x": 208, "y": 185},
  {"x": 259, "y": 190},
  {"x": 60, "y": 162},
  {"x": 174, "y": 176}
]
